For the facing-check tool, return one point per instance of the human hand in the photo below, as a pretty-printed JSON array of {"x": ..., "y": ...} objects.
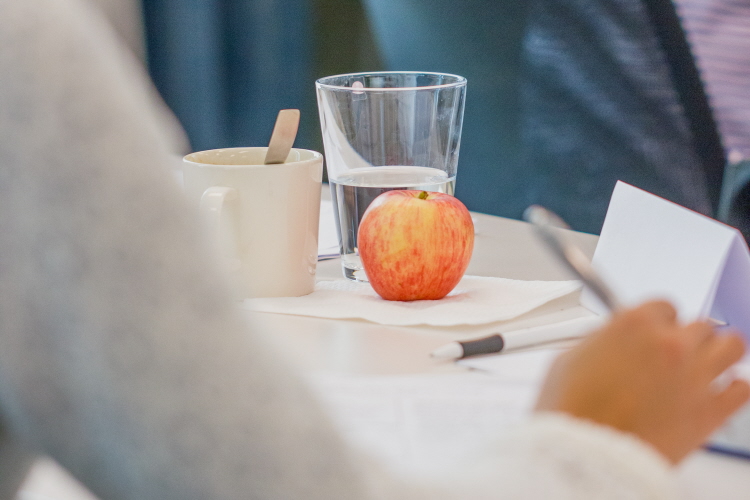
[{"x": 646, "y": 374}]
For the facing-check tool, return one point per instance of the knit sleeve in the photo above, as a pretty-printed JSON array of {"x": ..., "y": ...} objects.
[{"x": 553, "y": 455}]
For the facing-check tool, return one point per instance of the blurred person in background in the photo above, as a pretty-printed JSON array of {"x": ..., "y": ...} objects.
[{"x": 565, "y": 97}]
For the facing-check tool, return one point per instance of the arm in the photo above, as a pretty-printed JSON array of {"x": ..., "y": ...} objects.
[
  {"x": 123, "y": 356},
  {"x": 15, "y": 462}
]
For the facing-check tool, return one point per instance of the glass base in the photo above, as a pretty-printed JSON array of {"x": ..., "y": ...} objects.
[
  {"x": 354, "y": 274},
  {"x": 352, "y": 267}
]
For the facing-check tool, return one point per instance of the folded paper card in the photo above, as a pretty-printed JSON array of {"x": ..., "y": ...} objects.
[
  {"x": 475, "y": 301},
  {"x": 652, "y": 248}
]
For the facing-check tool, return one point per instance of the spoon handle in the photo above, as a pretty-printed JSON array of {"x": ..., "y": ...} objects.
[{"x": 282, "y": 138}]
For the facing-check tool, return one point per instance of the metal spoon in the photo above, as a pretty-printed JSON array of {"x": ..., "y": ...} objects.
[{"x": 282, "y": 138}]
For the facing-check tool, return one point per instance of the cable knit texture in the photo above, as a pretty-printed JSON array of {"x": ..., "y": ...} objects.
[{"x": 121, "y": 354}]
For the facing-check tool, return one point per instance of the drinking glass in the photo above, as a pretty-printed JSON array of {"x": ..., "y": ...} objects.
[{"x": 384, "y": 131}]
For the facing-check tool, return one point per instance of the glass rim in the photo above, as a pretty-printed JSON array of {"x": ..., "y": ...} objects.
[{"x": 320, "y": 82}]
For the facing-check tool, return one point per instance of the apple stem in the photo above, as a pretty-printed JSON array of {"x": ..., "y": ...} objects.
[{"x": 423, "y": 195}]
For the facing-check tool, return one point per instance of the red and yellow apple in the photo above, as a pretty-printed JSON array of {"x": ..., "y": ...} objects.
[{"x": 415, "y": 245}]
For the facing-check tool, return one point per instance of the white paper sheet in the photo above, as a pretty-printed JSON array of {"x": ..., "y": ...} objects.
[
  {"x": 421, "y": 422},
  {"x": 527, "y": 367}
]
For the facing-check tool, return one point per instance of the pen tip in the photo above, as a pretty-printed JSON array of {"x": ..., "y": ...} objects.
[{"x": 448, "y": 351}]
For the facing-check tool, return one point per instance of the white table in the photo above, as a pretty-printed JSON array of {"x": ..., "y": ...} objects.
[{"x": 503, "y": 248}]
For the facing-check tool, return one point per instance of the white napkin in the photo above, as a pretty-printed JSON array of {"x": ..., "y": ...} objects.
[{"x": 475, "y": 301}]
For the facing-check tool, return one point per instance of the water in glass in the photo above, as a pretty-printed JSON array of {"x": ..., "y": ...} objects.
[{"x": 354, "y": 191}]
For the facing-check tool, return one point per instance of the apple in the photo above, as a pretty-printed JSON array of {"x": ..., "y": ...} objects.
[{"x": 415, "y": 245}]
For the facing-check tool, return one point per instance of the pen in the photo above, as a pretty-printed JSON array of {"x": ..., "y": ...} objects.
[
  {"x": 570, "y": 255},
  {"x": 517, "y": 339}
]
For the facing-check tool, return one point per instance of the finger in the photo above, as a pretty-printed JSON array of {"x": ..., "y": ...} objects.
[
  {"x": 643, "y": 318},
  {"x": 657, "y": 310},
  {"x": 698, "y": 334},
  {"x": 718, "y": 353},
  {"x": 728, "y": 401}
]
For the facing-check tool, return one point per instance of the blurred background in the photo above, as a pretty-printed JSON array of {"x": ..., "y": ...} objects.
[
  {"x": 564, "y": 97},
  {"x": 225, "y": 67}
]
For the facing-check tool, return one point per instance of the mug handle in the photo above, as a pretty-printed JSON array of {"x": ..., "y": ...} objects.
[{"x": 214, "y": 207}]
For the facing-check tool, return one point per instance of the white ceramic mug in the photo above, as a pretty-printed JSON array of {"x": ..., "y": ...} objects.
[{"x": 264, "y": 217}]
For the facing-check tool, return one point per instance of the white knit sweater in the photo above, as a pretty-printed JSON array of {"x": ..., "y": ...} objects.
[{"x": 121, "y": 355}]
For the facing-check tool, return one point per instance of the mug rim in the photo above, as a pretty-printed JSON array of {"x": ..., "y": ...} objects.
[
  {"x": 320, "y": 82},
  {"x": 186, "y": 159}
]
